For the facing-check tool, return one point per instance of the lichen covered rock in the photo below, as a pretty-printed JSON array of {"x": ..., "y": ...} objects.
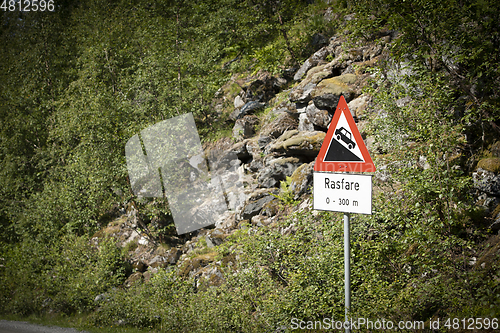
[
  {"x": 245, "y": 127},
  {"x": 487, "y": 182},
  {"x": 301, "y": 180},
  {"x": 327, "y": 93},
  {"x": 284, "y": 122},
  {"x": 318, "y": 117},
  {"x": 299, "y": 143},
  {"x": 490, "y": 164},
  {"x": 277, "y": 170}
]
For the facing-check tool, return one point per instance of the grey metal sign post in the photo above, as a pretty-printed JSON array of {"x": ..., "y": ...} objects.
[
  {"x": 347, "y": 193},
  {"x": 347, "y": 269}
]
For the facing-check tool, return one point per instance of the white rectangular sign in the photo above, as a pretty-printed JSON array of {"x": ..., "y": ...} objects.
[{"x": 342, "y": 192}]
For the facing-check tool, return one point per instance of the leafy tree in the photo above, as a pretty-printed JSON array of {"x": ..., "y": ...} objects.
[
  {"x": 459, "y": 38},
  {"x": 35, "y": 69}
]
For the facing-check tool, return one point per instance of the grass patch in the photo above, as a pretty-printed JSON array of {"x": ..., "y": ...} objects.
[{"x": 130, "y": 246}]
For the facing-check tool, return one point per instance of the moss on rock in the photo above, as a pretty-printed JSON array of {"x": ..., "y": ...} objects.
[
  {"x": 490, "y": 164},
  {"x": 300, "y": 179},
  {"x": 305, "y": 143},
  {"x": 271, "y": 208},
  {"x": 284, "y": 161},
  {"x": 195, "y": 263},
  {"x": 336, "y": 85},
  {"x": 280, "y": 125}
]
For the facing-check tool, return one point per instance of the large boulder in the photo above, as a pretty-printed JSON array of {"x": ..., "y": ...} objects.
[
  {"x": 491, "y": 164},
  {"x": 238, "y": 102},
  {"x": 294, "y": 143},
  {"x": 245, "y": 127},
  {"x": 305, "y": 124},
  {"x": 311, "y": 62},
  {"x": 320, "y": 118},
  {"x": 319, "y": 73},
  {"x": 487, "y": 182},
  {"x": 301, "y": 179},
  {"x": 277, "y": 170},
  {"x": 278, "y": 126},
  {"x": 302, "y": 93},
  {"x": 264, "y": 87},
  {"x": 327, "y": 93},
  {"x": 248, "y": 108},
  {"x": 256, "y": 202},
  {"x": 358, "y": 105}
]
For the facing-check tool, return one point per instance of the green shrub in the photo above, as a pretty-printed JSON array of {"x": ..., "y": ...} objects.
[
  {"x": 285, "y": 194},
  {"x": 63, "y": 277}
]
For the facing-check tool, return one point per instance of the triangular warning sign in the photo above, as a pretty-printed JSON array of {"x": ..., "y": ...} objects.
[{"x": 343, "y": 148}]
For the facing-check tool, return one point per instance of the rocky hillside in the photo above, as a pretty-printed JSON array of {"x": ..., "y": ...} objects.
[{"x": 279, "y": 126}]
